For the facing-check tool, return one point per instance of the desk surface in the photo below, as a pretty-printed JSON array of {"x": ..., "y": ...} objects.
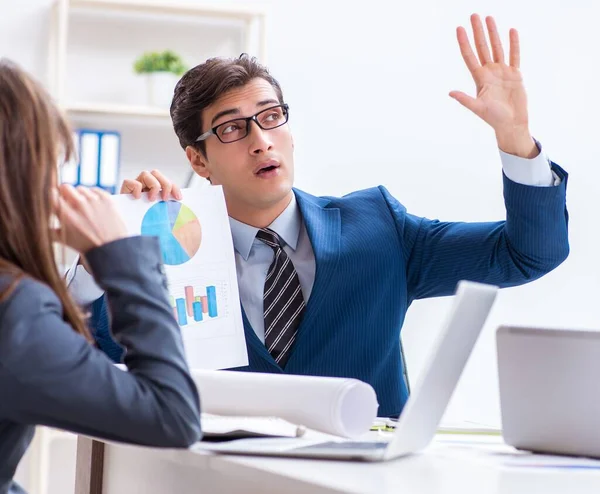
[{"x": 466, "y": 464}]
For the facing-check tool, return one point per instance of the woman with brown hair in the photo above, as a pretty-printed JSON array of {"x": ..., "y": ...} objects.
[{"x": 50, "y": 372}]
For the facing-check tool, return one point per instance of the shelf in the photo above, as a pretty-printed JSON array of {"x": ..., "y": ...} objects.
[
  {"x": 152, "y": 25},
  {"x": 116, "y": 110},
  {"x": 93, "y": 45},
  {"x": 221, "y": 11}
]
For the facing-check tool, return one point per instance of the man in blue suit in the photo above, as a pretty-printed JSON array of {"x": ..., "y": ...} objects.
[{"x": 325, "y": 282}]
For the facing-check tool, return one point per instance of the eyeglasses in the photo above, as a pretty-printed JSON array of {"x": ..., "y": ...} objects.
[{"x": 235, "y": 130}]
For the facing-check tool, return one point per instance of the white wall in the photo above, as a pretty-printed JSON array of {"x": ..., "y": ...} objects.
[
  {"x": 368, "y": 84},
  {"x": 380, "y": 72}
]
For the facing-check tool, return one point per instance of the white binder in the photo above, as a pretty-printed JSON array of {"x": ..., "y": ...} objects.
[{"x": 97, "y": 160}]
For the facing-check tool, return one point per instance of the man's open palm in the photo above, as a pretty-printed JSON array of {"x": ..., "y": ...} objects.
[{"x": 501, "y": 98}]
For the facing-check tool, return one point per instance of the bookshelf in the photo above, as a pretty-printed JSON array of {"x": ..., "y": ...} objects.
[
  {"x": 249, "y": 23},
  {"x": 91, "y": 50}
]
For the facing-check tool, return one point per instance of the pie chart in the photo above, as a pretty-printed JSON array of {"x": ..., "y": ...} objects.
[{"x": 177, "y": 228}]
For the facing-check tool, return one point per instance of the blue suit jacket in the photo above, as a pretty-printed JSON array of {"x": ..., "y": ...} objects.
[{"x": 373, "y": 259}]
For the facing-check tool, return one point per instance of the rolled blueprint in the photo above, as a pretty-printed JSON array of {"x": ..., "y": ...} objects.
[{"x": 341, "y": 406}]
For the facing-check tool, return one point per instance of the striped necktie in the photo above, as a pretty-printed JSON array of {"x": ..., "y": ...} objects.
[{"x": 283, "y": 303}]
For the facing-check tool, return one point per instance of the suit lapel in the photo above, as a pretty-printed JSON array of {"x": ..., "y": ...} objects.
[
  {"x": 254, "y": 344},
  {"x": 323, "y": 226}
]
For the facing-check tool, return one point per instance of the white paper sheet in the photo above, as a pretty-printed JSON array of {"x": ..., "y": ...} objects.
[
  {"x": 492, "y": 451},
  {"x": 339, "y": 406},
  {"x": 200, "y": 266},
  {"x": 235, "y": 427}
]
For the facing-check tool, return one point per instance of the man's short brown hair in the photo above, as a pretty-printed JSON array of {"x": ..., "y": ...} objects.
[{"x": 201, "y": 86}]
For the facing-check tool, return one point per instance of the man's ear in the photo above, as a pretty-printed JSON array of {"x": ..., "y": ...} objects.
[{"x": 198, "y": 162}]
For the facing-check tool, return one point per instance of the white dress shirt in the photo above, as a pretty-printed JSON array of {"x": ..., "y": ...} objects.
[{"x": 253, "y": 257}]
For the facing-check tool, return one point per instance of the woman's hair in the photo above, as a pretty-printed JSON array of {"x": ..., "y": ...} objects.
[{"x": 34, "y": 140}]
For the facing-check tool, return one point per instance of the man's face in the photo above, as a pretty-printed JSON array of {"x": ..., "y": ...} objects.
[{"x": 256, "y": 171}]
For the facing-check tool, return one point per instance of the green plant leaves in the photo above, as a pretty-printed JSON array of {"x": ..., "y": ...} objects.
[{"x": 166, "y": 61}]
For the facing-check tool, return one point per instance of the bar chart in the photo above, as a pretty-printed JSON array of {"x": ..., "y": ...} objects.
[{"x": 196, "y": 305}]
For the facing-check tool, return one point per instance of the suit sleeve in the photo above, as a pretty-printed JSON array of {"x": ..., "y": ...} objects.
[
  {"x": 54, "y": 377},
  {"x": 531, "y": 242}
]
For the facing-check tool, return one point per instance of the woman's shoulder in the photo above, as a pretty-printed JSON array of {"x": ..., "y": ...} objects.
[
  {"x": 26, "y": 307},
  {"x": 24, "y": 297}
]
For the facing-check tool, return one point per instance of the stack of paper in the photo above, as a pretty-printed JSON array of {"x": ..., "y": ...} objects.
[
  {"x": 236, "y": 427},
  {"x": 468, "y": 427}
]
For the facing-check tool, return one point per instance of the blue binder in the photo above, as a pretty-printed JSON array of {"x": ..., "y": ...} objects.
[{"x": 98, "y": 160}]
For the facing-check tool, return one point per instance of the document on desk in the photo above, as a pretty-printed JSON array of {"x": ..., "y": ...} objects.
[
  {"x": 198, "y": 258},
  {"x": 469, "y": 427},
  {"x": 338, "y": 406},
  {"x": 492, "y": 451},
  {"x": 235, "y": 427},
  {"x": 552, "y": 462}
]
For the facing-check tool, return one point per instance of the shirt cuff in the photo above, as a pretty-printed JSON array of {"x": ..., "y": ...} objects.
[
  {"x": 535, "y": 172},
  {"x": 82, "y": 286}
]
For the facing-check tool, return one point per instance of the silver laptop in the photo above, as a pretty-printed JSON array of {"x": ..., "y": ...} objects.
[
  {"x": 550, "y": 389},
  {"x": 423, "y": 411}
]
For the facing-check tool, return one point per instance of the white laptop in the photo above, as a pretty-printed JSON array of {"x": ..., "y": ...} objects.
[
  {"x": 550, "y": 389},
  {"x": 423, "y": 411}
]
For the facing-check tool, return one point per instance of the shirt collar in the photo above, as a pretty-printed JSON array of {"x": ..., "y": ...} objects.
[{"x": 286, "y": 225}]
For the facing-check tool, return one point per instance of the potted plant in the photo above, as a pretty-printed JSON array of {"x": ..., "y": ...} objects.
[{"x": 162, "y": 71}]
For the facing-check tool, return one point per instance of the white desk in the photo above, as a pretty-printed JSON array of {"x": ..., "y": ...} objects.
[{"x": 450, "y": 465}]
